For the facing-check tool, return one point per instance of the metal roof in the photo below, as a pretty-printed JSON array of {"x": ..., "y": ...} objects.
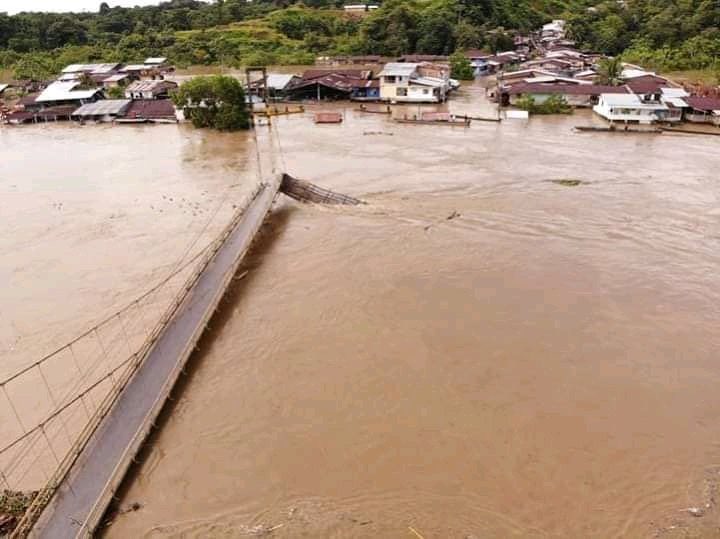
[
  {"x": 677, "y": 102},
  {"x": 103, "y": 107},
  {"x": 92, "y": 68},
  {"x": 64, "y": 91},
  {"x": 3, "y": 87},
  {"x": 278, "y": 81},
  {"x": 150, "y": 85},
  {"x": 674, "y": 92},
  {"x": 428, "y": 81},
  {"x": 707, "y": 104},
  {"x": 398, "y": 69},
  {"x": 566, "y": 89},
  {"x": 154, "y": 61},
  {"x": 631, "y": 73},
  {"x": 136, "y": 67},
  {"x": 151, "y": 109},
  {"x": 630, "y": 100},
  {"x": 115, "y": 78}
]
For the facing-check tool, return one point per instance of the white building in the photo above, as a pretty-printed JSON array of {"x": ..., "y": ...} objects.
[
  {"x": 674, "y": 99},
  {"x": 629, "y": 108},
  {"x": 401, "y": 82}
]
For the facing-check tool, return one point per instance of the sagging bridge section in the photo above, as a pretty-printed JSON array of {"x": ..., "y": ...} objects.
[{"x": 87, "y": 441}]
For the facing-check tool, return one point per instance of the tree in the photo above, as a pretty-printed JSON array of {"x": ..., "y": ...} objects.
[
  {"x": 460, "y": 67},
  {"x": 65, "y": 31},
  {"x": 216, "y": 102},
  {"x": 555, "y": 104},
  {"x": 34, "y": 67},
  {"x": 610, "y": 71},
  {"x": 115, "y": 92},
  {"x": 467, "y": 36},
  {"x": 86, "y": 82},
  {"x": 435, "y": 33}
]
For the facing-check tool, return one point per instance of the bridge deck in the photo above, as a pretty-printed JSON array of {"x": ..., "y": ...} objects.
[{"x": 81, "y": 500}]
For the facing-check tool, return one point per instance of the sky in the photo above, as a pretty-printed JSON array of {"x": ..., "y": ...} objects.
[{"x": 14, "y": 6}]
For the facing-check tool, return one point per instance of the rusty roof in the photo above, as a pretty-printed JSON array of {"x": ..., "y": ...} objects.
[
  {"x": 312, "y": 74},
  {"x": 151, "y": 109},
  {"x": 568, "y": 89}
]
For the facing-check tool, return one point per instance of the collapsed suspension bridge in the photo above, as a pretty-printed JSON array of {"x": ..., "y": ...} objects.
[{"x": 107, "y": 387}]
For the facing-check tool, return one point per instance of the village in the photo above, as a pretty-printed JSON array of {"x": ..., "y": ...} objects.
[{"x": 545, "y": 67}]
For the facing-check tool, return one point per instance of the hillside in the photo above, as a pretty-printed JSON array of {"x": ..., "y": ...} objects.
[{"x": 658, "y": 33}]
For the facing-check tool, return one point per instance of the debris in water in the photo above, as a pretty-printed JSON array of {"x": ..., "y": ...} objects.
[
  {"x": 135, "y": 506},
  {"x": 569, "y": 182},
  {"x": 696, "y": 511},
  {"x": 366, "y": 133},
  {"x": 415, "y": 532},
  {"x": 261, "y": 530},
  {"x": 453, "y": 215}
]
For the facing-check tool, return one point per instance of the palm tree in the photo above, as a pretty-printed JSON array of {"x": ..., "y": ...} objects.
[{"x": 610, "y": 71}]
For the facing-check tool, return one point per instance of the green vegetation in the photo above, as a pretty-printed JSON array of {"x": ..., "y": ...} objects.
[
  {"x": 661, "y": 34},
  {"x": 610, "y": 71},
  {"x": 236, "y": 33},
  {"x": 460, "y": 67},
  {"x": 15, "y": 503},
  {"x": 115, "y": 92},
  {"x": 555, "y": 104},
  {"x": 217, "y": 102}
]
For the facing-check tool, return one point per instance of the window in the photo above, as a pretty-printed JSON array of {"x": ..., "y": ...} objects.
[
  {"x": 390, "y": 79},
  {"x": 401, "y": 92},
  {"x": 425, "y": 91}
]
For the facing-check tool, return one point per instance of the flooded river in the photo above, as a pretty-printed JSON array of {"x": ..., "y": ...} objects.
[{"x": 516, "y": 337}]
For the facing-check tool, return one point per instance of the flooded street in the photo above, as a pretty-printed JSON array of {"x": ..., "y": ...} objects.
[{"x": 516, "y": 337}]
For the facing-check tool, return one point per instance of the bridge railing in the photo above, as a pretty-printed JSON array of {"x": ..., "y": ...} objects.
[{"x": 54, "y": 405}]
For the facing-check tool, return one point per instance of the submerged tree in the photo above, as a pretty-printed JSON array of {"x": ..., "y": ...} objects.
[
  {"x": 217, "y": 102},
  {"x": 460, "y": 67}
]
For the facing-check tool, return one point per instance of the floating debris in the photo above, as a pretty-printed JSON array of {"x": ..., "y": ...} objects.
[
  {"x": 13, "y": 506},
  {"x": 453, "y": 215},
  {"x": 696, "y": 511},
  {"x": 569, "y": 182},
  {"x": 366, "y": 133}
]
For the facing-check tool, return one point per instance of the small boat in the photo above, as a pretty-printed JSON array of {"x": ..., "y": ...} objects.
[
  {"x": 328, "y": 118},
  {"x": 131, "y": 120},
  {"x": 279, "y": 111},
  {"x": 478, "y": 118},
  {"x": 614, "y": 129},
  {"x": 436, "y": 118},
  {"x": 163, "y": 121},
  {"x": 375, "y": 110}
]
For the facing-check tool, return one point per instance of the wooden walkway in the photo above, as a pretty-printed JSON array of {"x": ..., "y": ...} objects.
[{"x": 80, "y": 502}]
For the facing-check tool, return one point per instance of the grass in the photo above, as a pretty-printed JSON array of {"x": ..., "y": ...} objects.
[{"x": 705, "y": 76}]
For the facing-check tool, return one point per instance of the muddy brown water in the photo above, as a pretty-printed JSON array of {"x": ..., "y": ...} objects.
[{"x": 544, "y": 363}]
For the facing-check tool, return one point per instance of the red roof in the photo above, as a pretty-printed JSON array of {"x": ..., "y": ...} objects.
[
  {"x": 151, "y": 109},
  {"x": 703, "y": 103},
  {"x": 28, "y": 99},
  {"x": 568, "y": 89},
  {"x": 644, "y": 85}
]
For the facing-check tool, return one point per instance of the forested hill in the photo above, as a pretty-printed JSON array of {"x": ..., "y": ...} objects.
[{"x": 666, "y": 34}]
